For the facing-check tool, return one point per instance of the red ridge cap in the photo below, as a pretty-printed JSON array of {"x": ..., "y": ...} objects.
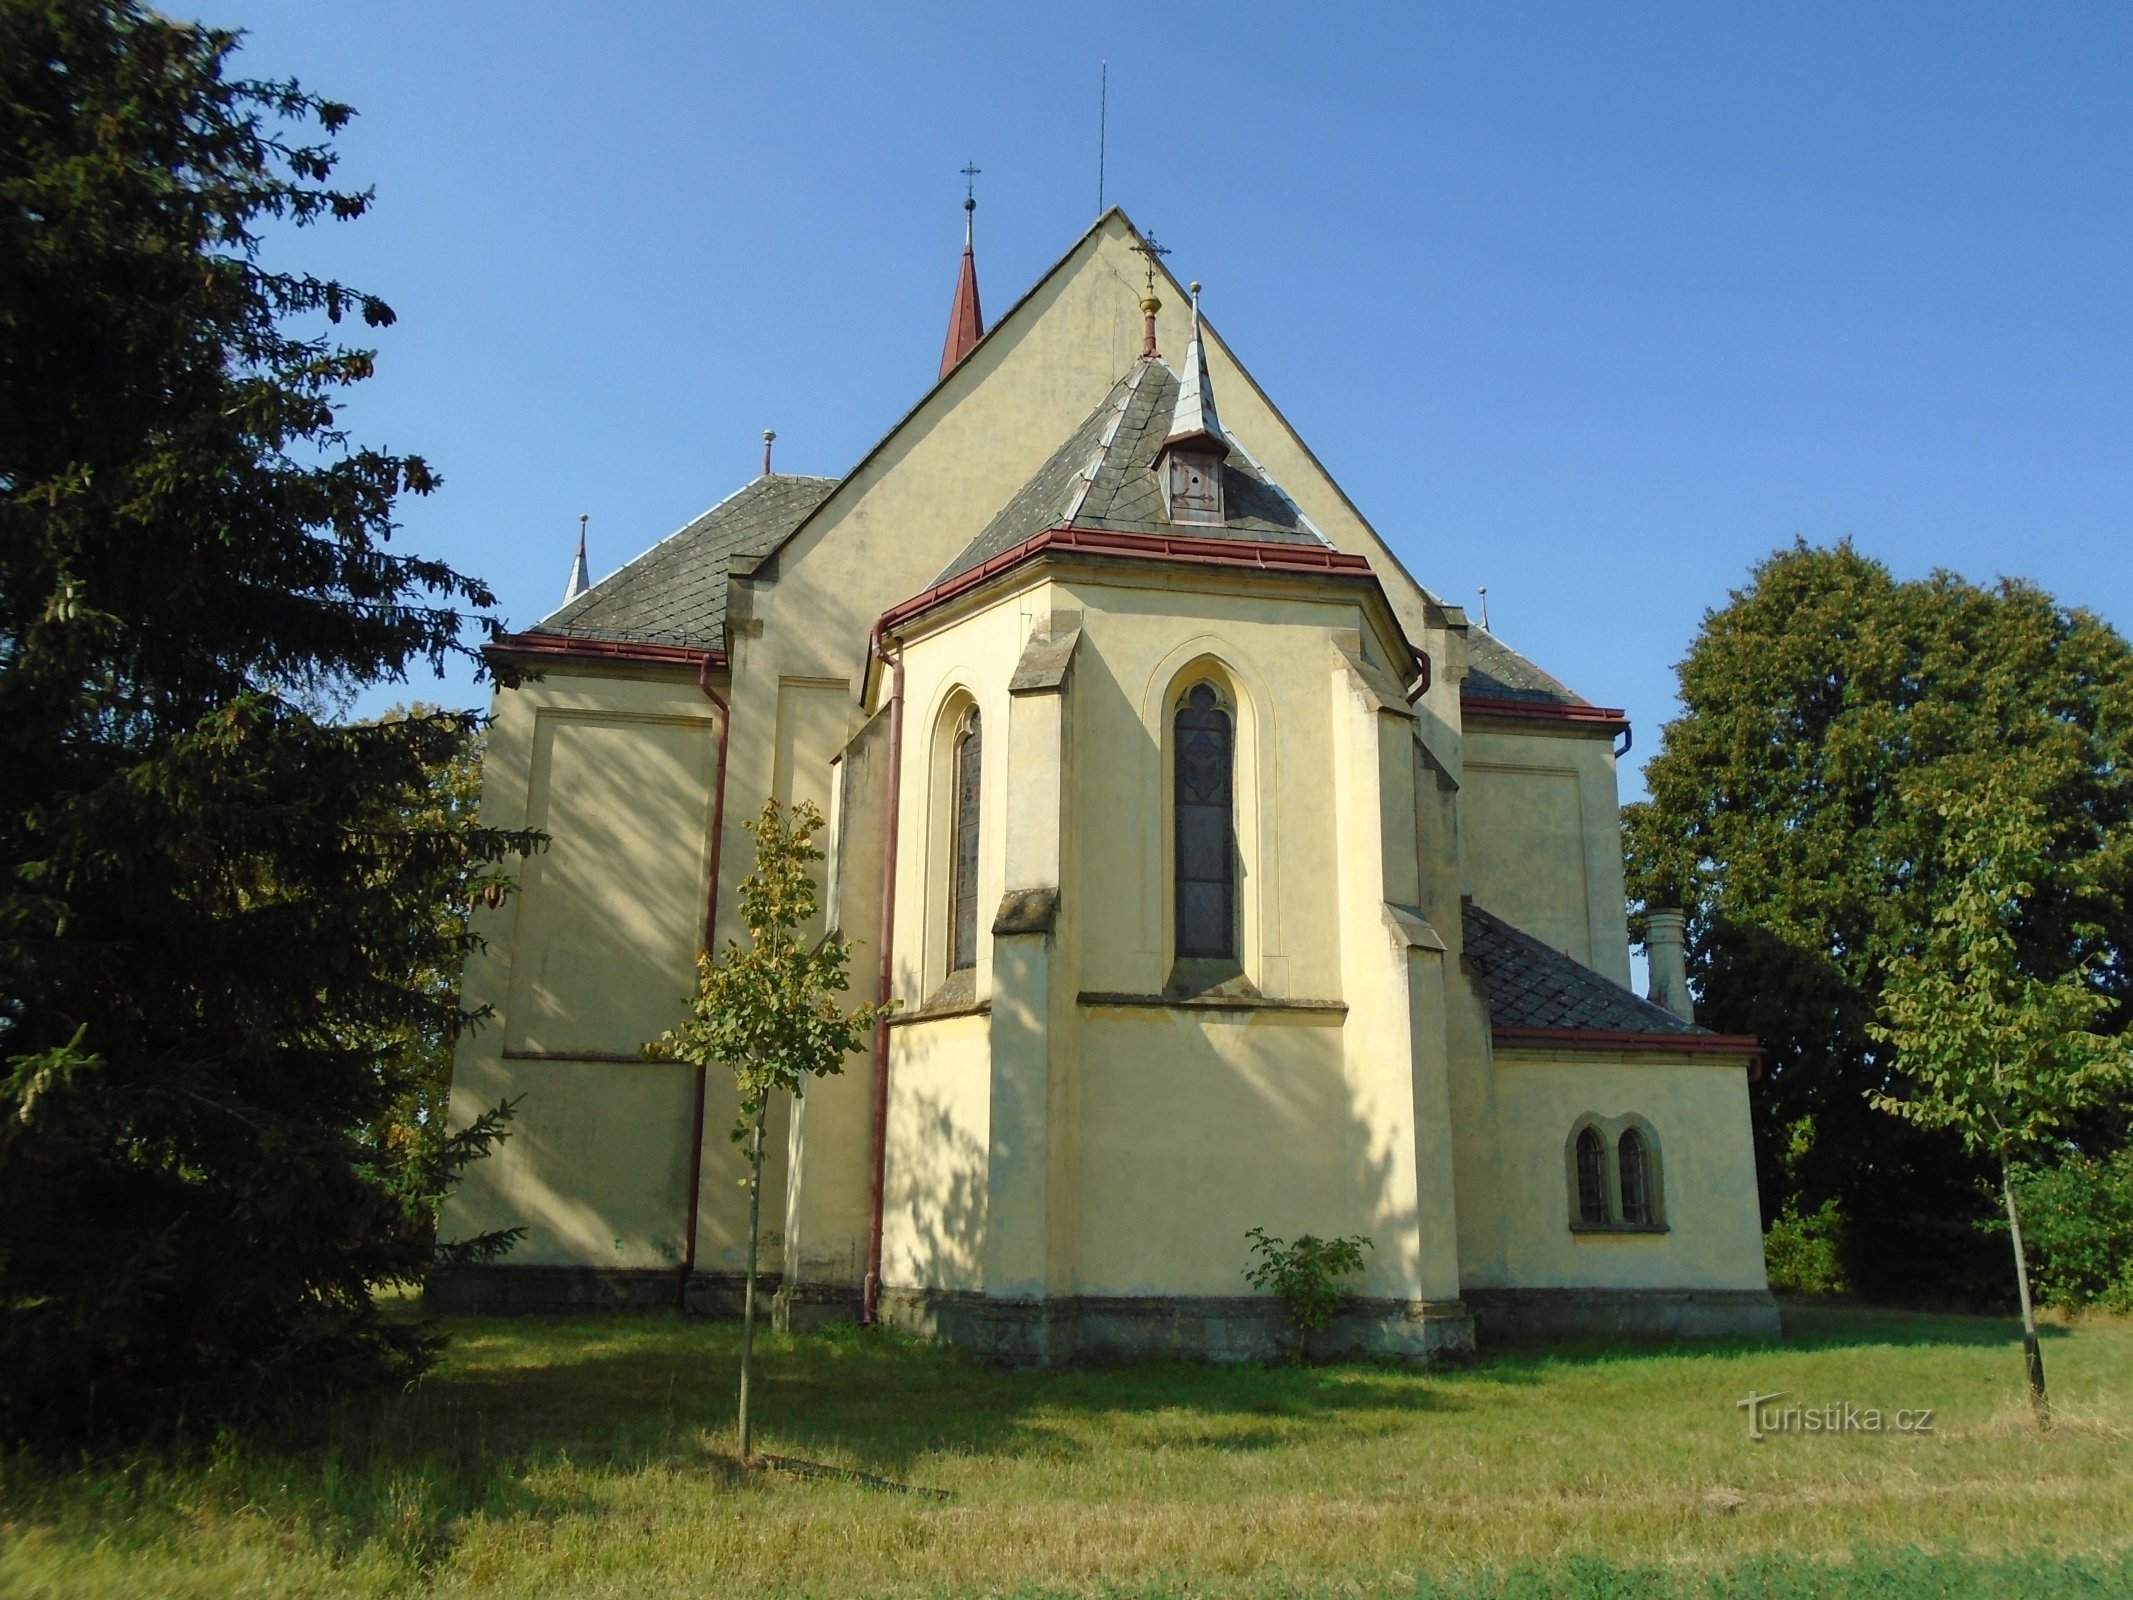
[
  {"x": 1601, "y": 719},
  {"x": 536, "y": 643},
  {"x": 1614, "y": 1039},
  {"x": 1267, "y": 557}
]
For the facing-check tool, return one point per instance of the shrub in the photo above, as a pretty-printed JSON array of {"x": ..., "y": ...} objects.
[
  {"x": 1304, "y": 1274},
  {"x": 2077, "y": 1224},
  {"x": 1804, "y": 1253}
]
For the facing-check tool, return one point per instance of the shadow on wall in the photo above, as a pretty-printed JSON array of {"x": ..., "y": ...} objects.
[
  {"x": 1191, "y": 1126},
  {"x": 607, "y": 922},
  {"x": 934, "y": 1199}
]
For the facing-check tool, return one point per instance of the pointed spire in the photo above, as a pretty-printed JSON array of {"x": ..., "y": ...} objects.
[
  {"x": 1194, "y": 416},
  {"x": 966, "y": 322},
  {"x": 580, "y": 580}
]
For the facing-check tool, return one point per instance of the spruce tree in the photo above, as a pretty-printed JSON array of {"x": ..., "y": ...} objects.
[{"x": 216, "y": 898}]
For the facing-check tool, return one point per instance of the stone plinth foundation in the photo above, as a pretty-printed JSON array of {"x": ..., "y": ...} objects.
[
  {"x": 515, "y": 1291},
  {"x": 1633, "y": 1313},
  {"x": 1242, "y": 1328}
]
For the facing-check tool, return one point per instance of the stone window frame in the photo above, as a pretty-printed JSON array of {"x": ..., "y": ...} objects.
[
  {"x": 1225, "y": 665},
  {"x": 1610, "y": 1131},
  {"x": 966, "y": 745},
  {"x": 1195, "y": 975},
  {"x": 942, "y": 982}
]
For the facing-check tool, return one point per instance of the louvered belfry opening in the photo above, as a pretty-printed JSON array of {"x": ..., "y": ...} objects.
[
  {"x": 1205, "y": 817},
  {"x": 1592, "y": 1176},
  {"x": 969, "y": 753}
]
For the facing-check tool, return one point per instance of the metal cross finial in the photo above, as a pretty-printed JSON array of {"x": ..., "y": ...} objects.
[
  {"x": 1154, "y": 252},
  {"x": 970, "y": 186}
]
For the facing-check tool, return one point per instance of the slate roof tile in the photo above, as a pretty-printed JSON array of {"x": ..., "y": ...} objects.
[
  {"x": 1530, "y": 984},
  {"x": 1498, "y": 672},
  {"x": 675, "y": 593},
  {"x": 1102, "y": 478}
]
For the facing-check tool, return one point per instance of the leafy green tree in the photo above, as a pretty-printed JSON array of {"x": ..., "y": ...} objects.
[
  {"x": 1782, "y": 819},
  {"x": 768, "y": 1011},
  {"x": 2078, "y": 1213},
  {"x": 212, "y": 892},
  {"x": 2002, "y": 1058}
]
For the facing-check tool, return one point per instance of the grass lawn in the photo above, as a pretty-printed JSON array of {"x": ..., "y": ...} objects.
[{"x": 593, "y": 1456}]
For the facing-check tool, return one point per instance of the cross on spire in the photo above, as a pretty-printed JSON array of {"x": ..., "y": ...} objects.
[
  {"x": 1150, "y": 305},
  {"x": 1154, "y": 252},
  {"x": 966, "y": 322}
]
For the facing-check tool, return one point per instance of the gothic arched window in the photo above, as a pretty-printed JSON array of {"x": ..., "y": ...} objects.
[
  {"x": 1592, "y": 1176},
  {"x": 1636, "y": 1177},
  {"x": 963, "y": 846},
  {"x": 1204, "y": 807}
]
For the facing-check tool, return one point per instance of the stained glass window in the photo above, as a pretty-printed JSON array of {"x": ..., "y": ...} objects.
[
  {"x": 964, "y": 855},
  {"x": 1592, "y": 1176},
  {"x": 1636, "y": 1185},
  {"x": 1206, "y": 859}
]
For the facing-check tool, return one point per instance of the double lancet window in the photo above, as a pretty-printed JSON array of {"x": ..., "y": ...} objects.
[
  {"x": 1204, "y": 808},
  {"x": 968, "y": 753},
  {"x": 1614, "y": 1175}
]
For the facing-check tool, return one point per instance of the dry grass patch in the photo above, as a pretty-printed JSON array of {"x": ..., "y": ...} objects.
[{"x": 592, "y": 1456}]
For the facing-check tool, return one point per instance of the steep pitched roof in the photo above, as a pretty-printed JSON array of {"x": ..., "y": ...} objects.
[
  {"x": 1102, "y": 477},
  {"x": 636, "y": 611},
  {"x": 675, "y": 593},
  {"x": 1531, "y": 985},
  {"x": 1496, "y": 671}
]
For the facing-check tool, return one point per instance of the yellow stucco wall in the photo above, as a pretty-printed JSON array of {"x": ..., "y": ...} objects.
[
  {"x": 933, "y": 1200},
  {"x": 1152, "y": 1192},
  {"x": 1544, "y": 840},
  {"x": 590, "y": 959},
  {"x": 1195, "y": 1128},
  {"x": 1699, "y": 1114}
]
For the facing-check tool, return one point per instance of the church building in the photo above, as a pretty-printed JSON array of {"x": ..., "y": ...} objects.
[{"x": 1224, "y": 877}]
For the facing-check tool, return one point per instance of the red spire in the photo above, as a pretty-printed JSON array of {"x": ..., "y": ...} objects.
[{"x": 966, "y": 323}]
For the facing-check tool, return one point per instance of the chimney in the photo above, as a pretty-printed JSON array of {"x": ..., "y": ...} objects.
[{"x": 1663, "y": 949}]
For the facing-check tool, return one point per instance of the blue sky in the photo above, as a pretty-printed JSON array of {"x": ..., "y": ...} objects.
[{"x": 1593, "y": 304}]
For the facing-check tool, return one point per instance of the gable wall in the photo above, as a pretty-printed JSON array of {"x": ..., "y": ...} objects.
[{"x": 1544, "y": 841}]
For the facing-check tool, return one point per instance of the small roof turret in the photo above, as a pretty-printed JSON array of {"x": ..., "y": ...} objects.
[{"x": 1194, "y": 418}]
